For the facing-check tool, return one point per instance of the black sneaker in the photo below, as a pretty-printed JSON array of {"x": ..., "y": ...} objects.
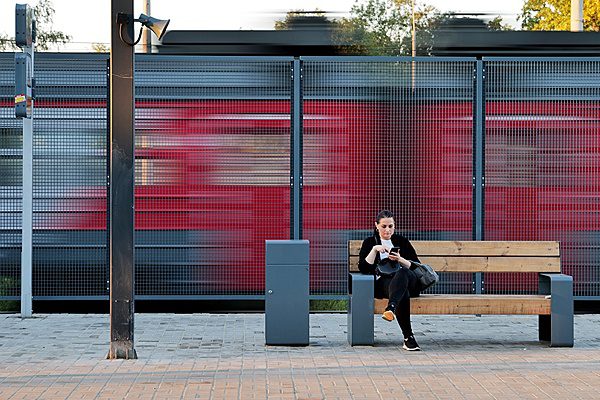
[{"x": 411, "y": 344}]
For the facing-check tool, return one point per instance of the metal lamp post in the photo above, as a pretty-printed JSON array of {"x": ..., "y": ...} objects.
[{"x": 122, "y": 175}]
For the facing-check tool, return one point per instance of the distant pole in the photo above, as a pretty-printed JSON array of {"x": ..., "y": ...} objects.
[
  {"x": 121, "y": 183},
  {"x": 146, "y": 34},
  {"x": 576, "y": 15},
  {"x": 414, "y": 46},
  {"x": 414, "y": 31}
]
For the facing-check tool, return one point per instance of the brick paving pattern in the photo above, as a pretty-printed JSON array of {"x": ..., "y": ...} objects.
[{"x": 223, "y": 356}]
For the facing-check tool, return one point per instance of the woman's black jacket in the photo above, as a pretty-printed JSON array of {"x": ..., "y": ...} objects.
[{"x": 406, "y": 251}]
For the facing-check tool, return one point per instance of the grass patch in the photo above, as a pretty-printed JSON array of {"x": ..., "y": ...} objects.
[
  {"x": 8, "y": 286},
  {"x": 329, "y": 305}
]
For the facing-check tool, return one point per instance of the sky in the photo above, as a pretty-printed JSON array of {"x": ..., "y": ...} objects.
[{"x": 88, "y": 21}]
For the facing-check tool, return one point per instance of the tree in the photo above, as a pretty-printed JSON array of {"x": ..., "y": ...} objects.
[
  {"x": 497, "y": 24},
  {"x": 375, "y": 27},
  {"x": 46, "y": 36},
  {"x": 300, "y": 19},
  {"x": 555, "y": 15},
  {"x": 6, "y": 42},
  {"x": 100, "y": 48},
  {"x": 384, "y": 27}
]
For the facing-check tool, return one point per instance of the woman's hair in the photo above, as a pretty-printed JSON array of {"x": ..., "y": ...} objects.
[{"x": 384, "y": 214}]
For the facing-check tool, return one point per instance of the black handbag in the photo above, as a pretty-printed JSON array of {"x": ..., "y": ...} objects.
[
  {"x": 425, "y": 274},
  {"x": 387, "y": 267}
]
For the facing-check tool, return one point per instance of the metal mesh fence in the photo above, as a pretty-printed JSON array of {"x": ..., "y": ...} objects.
[
  {"x": 69, "y": 177},
  {"x": 542, "y": 164},
  {"x": 212, "y": 173},
  {"x": 385, "y": 134},
  {"x": 213, "y": 167},
  {"x": 11, "y": 149}
]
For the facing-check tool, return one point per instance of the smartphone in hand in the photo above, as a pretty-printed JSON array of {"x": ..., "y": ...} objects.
[{"x": 395, "y": 250}]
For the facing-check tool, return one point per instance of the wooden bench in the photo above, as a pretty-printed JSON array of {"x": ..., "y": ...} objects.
[{"x": 553, "y": 304}]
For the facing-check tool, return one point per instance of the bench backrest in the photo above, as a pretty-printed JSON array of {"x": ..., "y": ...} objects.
[{"x": 479, "y": 256}]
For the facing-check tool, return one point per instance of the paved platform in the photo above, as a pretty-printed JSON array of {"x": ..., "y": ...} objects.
[{"x": 223, "y": 356}]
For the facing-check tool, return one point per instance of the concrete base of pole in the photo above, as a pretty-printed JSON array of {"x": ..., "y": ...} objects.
[{"x": 121, "y": 350}]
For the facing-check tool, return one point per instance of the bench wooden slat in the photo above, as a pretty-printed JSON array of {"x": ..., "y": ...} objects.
[
  {"x": 477, "y": 248},
  {"x": 485, "y": 264},
  {"x": 487, "y": 248},
  {"x": 480, "y": 256},
  {"x": 494, "y": 264},
  {"x": 475, "y": 304}
]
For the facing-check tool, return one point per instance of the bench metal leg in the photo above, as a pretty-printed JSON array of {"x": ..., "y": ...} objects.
[
  {"x": 360, "y": 310},
  {"x": 558, "y": 327},
  {"x": 544, "y": 328}
]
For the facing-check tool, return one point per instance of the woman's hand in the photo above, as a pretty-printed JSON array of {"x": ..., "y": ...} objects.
[
  {"x": 373, "y": 253},
  {"x": 380, "y": 248},
  {"x": 401, "y": 260}
]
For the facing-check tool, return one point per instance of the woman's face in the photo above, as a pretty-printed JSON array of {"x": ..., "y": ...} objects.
[{"x": 385, "y": 227}]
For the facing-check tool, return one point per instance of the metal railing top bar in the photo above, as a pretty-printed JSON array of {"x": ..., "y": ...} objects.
[
  {"x": 386, "y": 59},
  {"x": 61, "y": 56},
  {"x": 548, "y": 58},
  {"x": 152, "y": 57},
  {"x": 158, "y": 57},
  {"x": 167, "y": 57}
]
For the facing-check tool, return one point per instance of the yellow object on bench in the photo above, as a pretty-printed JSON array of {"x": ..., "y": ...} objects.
[{"x": 489, "y": 256}]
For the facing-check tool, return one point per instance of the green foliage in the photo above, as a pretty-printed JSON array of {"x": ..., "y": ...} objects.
[
  {"x": 384, "y": 27},
  {"x": 46, "y": 36},
  {"x": 375, "y": 27},
  {"x": 328, "y": 305},
  {"x": 7, "y": 42},
  {"x": 100, "y": 48},
  {"x": 8, "y": 286},
  {"x": 497, "y": 24},
  {"x": 9, "y": 306},
  {"x": 555, "y": 15}
]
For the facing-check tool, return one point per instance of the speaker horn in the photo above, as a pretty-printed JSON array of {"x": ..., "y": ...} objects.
[{"x": 158, "y": 26}]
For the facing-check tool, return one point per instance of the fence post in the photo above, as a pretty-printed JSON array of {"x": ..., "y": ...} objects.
[
  {"x": 479, "y": 160},
  {"x": 108, "y": 149},
  {"x": 296, "y": 152}
]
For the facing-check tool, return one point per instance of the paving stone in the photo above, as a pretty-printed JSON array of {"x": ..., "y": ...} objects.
[{"x": 223, "y": 356}]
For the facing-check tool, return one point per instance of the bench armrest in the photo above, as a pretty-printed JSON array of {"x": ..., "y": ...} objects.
[
  {"x": 361, "y": 290},
  {"x": 560, "y": 289},
  {"x": 362, "y": 280},
  {"x": 548, "y": 281}
]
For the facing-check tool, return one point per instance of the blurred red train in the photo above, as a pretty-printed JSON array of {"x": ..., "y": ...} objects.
[{"x": 212, "y": 183}]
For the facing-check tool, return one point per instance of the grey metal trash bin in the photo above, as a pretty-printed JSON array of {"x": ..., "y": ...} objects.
[{"x": 287, "y": 290}]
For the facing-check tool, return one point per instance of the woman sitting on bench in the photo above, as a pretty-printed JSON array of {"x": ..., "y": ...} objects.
[{"x": 400, "y": 286}]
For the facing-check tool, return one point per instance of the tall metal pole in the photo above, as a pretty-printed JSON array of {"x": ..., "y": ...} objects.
[
  {"x": 27, "y": 228},
  {"x": 121, "y": 184},
  {"x": 146, "y": 34},
  {"x": 24, "y": 87},
  {"x": 576, "y": 15}
]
